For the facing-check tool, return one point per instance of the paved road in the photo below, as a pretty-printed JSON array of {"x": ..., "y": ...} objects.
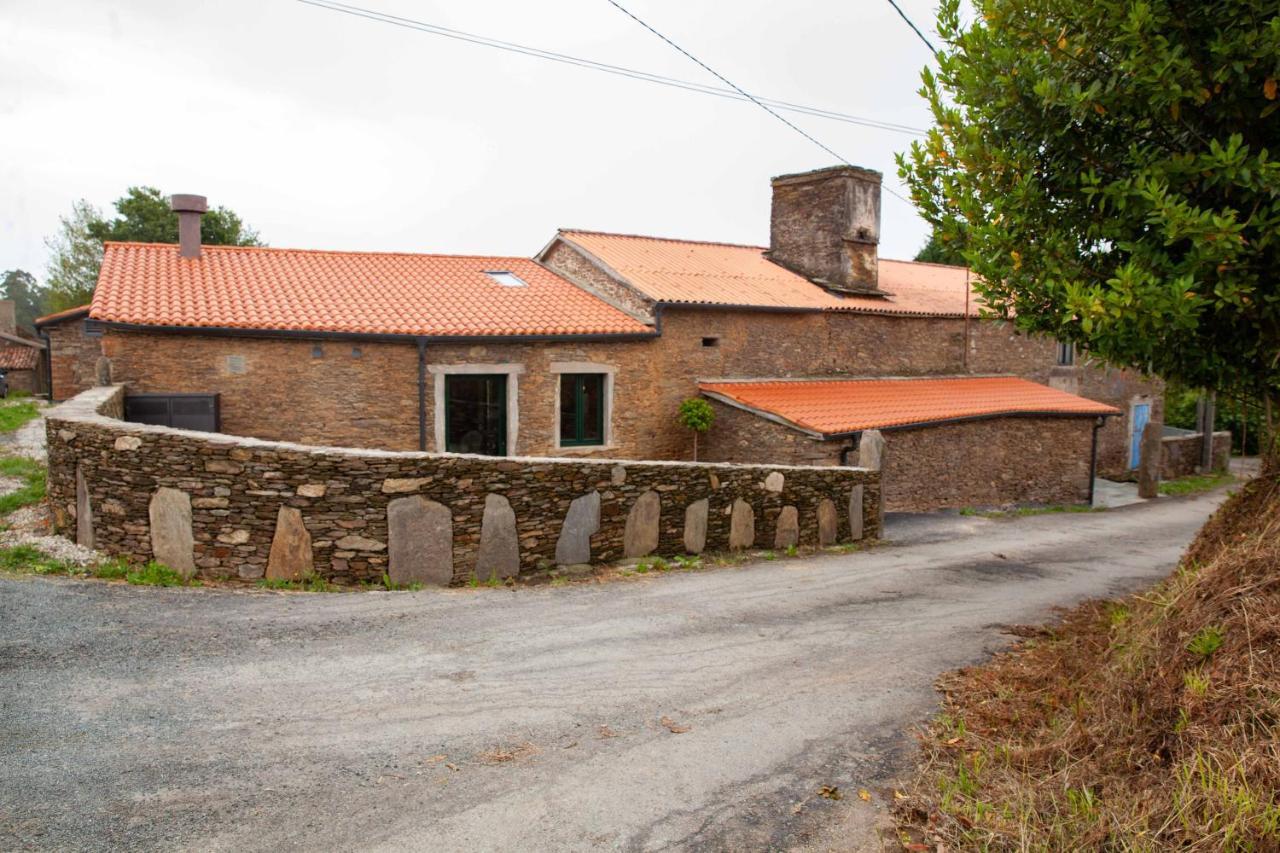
[{"x": 527, "y": 720}]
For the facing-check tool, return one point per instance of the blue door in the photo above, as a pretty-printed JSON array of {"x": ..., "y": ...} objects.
[{"x": 1141, "y": 414}]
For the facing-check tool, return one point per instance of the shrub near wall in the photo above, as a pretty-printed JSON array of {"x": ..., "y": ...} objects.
[{"x": 106, "y": 474}]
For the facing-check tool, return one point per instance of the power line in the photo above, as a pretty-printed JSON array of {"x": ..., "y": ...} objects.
[
  {"x": 726, "y": 81},
  {"x": 914, "y": 28},
  {"x": 643, "y": 76}
]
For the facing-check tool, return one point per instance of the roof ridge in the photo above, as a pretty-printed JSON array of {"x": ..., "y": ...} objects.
[
  {"x": 663, "y": 239},
  {"x": 928, "y": 264},
  {"x": 824, "y": 379},
  {"x": 382, "y": 253}
]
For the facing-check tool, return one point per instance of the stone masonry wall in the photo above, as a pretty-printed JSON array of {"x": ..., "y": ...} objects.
[
  {"x": 242, "y": 507},
  {"x": 73, "y": 358},
  {"x": 991, "y": 462},
  {"x": 1180, "y": 454}
]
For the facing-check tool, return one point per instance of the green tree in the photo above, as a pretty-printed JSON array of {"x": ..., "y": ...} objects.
[
  {"x": 143, "y": 215},
  {"x": 74, "y": 258},
  {"x": 696, "y": 414},
  {"x": 935, "y": 251},
  {"x": 1108, "y": 166},
  {"x": 27, "y": 296}
]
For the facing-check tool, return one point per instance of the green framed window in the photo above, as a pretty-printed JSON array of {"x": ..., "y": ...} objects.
[{"x": 581, "y": 409}]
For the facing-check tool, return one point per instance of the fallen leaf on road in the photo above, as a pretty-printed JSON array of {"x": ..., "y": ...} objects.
[
  {"x": 864, "y": 795},
  {"x": 898, "y": 795},
  {"x": 831, "y": 792},
  {"x": 452, "y": 766},
  {"x": 953, "y": 741},
  {"x": 504, "y": 754},
  {"x": 435, "y": 759},
  {"x": 673, "y": 727},
  {"x": 605, "y": 731}
]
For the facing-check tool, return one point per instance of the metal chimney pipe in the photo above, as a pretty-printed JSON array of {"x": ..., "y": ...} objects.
[{"x": 189, "y": 209}]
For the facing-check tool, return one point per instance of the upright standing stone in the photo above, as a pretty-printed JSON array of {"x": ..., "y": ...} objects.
[
  {"x": 581, "y": 522},
  {"x": 640, "y": 538},
  {"x": 695, "y": 526},
  {"x": 84, "y": 511},
  {"x": 787, "y": 531},
  {"x": 855, "y": 512},
  {"x": 828, "y": 523},
  {"x": 420, "y": 542},
  {"x": 1149, "y": 461},
  {"x": 171, "y": 540},
  {"x": 871, "y": 450},
  {"x": 290, "y": 558},
  {"x": 742, "y": 526},
  {"x": 499, "y": 555},
  {"x": 774, "y": 482}
]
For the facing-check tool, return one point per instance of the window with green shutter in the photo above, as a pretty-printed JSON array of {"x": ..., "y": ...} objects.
[{"x": 581, "y": 409}]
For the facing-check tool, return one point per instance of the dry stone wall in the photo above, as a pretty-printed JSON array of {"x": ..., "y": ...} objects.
[{"x": 225, "y": 506}]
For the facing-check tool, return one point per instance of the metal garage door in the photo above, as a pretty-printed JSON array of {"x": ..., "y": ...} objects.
[{"x": 184, "y": 411}]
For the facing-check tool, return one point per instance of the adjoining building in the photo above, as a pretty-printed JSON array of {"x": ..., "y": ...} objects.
[{"x": 588, "y": 349}]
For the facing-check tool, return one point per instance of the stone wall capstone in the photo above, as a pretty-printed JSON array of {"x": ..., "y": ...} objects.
[{"x": 239, "y": 489}]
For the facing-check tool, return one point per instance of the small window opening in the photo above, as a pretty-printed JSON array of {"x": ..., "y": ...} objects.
[
  {"x": 356, "y": 352},
  {"x": 317, "y": 351},
  {"x": 1066, "y": 354},
  {"x": 235, "y": 364},
  {"x": 506, "y": 279},
  {"x": 713, "y": 341}
]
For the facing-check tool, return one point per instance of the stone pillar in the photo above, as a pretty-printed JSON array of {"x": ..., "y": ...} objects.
[
  {"x": 872, "y": 450},
  {"x": 1149, "y": 461}
]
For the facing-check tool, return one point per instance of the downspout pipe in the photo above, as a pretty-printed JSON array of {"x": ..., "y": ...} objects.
[
  {"x": 422, "y": 393},
  {"x": 48, "y": 363},
  {"x": 1093, "y": 456}
]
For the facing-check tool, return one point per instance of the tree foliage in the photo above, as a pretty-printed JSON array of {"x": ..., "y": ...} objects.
[
  {"x": 27, "y": 296},
  {"x": 937, "y": 251},
  {"x": 1108, "y": 167},
  {"x": 696, "y": 414},
  {"x": 142, "y": 215}
]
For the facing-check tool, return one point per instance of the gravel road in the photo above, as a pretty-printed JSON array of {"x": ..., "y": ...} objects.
[{"x": 536, "y": 719}]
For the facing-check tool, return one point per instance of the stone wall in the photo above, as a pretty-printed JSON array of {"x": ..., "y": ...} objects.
[
  {"x": 222, "y": 506},
  {"x": 73, "y": 358},
  {"x": 982, "y": 463},
  {"x": 1180, "y": 454}
]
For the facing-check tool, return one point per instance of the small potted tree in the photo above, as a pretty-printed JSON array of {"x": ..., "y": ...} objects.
[{"x": 696, "y": 414}]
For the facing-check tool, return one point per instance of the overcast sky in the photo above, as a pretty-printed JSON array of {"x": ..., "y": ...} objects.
[{"x": 328, "y": 131}]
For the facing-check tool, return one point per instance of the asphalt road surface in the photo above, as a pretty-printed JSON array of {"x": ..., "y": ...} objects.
[{"x": 674, "y": 711}]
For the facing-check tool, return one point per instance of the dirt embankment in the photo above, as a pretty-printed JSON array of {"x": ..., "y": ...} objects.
[{"x": 1147, "y": 723}]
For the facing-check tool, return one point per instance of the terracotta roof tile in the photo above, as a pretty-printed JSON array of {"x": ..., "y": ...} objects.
[
  {"x": 18, "y": 358},
  {"x": 59, "y": 316},
  {"x": 836, "y": 406},
  {"x": 688, "y": 271},
  {"x": 359, "y": 292}
]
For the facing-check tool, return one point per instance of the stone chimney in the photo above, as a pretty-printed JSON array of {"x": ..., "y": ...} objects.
[
  {"x": 826, "y": 227},
  {"x": 8, "y": 317},
  {"x": 189, "y": 209}
]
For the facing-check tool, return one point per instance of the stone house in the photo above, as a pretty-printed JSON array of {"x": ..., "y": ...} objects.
[{"x": 587, "y": 349}]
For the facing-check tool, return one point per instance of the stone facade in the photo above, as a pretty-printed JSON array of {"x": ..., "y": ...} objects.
[
  {"x": 244, "y": 497},
  {"x": 1180, "y": 454},
  {"x": 990, "y": 462},
  {"x": 73, "y": 357}
]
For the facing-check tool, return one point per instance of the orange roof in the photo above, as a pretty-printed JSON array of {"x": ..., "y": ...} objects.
[
  {"x": 18, "y": 358},
  {"x": 838, "y": 406},
  {"x": 59, "y": 316},
  {"x": 727, "y": 274},
  {"x": 354, "y": 292}
]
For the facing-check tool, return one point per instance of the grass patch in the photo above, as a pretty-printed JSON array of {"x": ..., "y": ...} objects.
[
  {"x": 110, "y": 570},
  {"x": 157, "y": 574},
  {"x": 1195, "y": 484},
  {"x": 391, "y": 586},
  {"x": 29, "y": 560},
  {"x": 32, "y": 475},
  {"x": 1148, "y": 724},
  {"x": 17, "y": 414}
]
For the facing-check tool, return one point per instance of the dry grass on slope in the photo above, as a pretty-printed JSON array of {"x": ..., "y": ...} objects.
[{"x": 1147, "y": 724}]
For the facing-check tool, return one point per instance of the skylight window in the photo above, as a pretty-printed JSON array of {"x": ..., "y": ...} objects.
[{"x": 506, "y": 279}]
